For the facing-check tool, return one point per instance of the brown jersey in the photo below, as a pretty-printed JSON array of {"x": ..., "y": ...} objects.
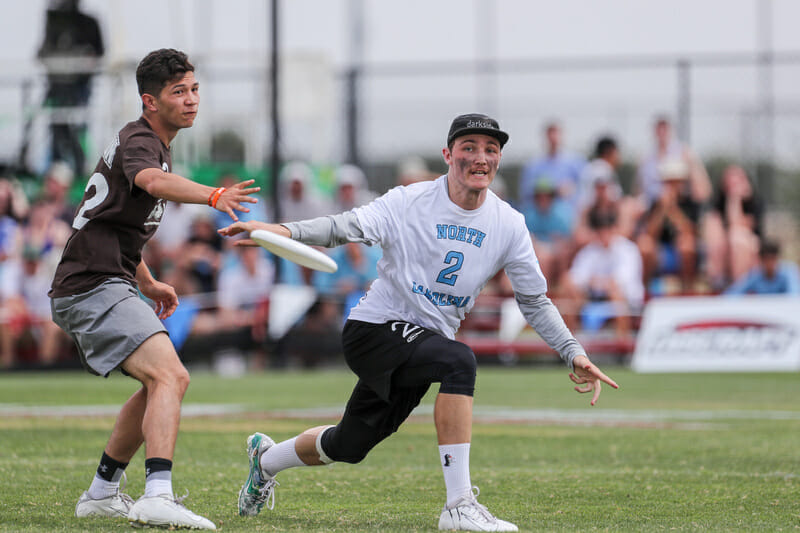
[{"x": 115, "y": 218}]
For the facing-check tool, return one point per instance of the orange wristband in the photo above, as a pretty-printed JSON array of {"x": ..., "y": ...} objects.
[{"x": 212, "y": 200}]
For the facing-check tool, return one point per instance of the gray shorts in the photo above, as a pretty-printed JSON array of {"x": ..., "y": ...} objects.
[{"x": 107, "y": 323}]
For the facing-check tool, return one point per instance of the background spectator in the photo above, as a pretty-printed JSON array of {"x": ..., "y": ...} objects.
[
  {"x": 70, "y": 52},
  {"x": 243, "y": 294},
  {"x": 604, "y": 164},
  {"x": 55, "y": 191},
  {"x": 412, "y": 169},
  {"x": 352, "y": 189},
  {"x": 732, "y": 228},
  {"x": 173, "y": 233},
  {"x": 771, "y": 276},
  {"x": 201, "y": 254},
  {"x": 549, "y": 221},
  {"x": 14, "y": 208},
  {"x": 608, "y": 270},
  {"x": 648, "y": 183},
  {"x": 601, "y": 189},
  {"x": 668, "y": 231},
  {"x": 24, "y": 284},
  {"x": 560, "y": 167},
  {"x": 358, "y": 267},
  {"x": 44, "y": 232},
  {"x": 298, "y": 199}
]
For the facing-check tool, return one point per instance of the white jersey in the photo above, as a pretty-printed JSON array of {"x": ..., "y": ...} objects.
[{"x": 437, "y": 256}]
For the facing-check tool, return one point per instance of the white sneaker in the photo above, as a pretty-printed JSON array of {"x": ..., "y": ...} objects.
[
  {"x": 166, "y": 511},
  {"x": 468, "y": 515},
  {"x": 114, "y": 506}
]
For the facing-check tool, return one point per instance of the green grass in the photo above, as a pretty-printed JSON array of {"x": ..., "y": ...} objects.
[{"x": 667, "y": 452}]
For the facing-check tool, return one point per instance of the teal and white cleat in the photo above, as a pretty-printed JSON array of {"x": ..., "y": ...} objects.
[{"x": 258, "y": 489}]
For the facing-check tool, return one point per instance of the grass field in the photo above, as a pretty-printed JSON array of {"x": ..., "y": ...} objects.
[{"x": 665, "y": 452}]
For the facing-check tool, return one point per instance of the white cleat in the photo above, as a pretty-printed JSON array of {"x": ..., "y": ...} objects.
[
  {"x": 116, "y": 506},
  {"x": 167, "y": 512},
  {"x": 468, "y": 515}
]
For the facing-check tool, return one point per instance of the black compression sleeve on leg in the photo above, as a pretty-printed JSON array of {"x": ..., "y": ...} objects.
[{"x": 349, "y": 441}]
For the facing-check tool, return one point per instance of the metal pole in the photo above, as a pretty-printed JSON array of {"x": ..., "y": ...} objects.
[
  {"x": 275, "y": 155},
  {"x": 486, "y": 56},
  {"x": 766, "y": 163},
  {"x": 684, "y": 105},
  {"x": 356, "y": 17},
  {"x": 27, "y": 124}
]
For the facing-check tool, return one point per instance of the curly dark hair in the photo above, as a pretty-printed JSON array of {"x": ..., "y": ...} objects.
[{"x": 159, "y": 68}]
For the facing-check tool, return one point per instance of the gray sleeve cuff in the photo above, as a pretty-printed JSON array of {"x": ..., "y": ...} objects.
[{"x": 543, "y": 316}]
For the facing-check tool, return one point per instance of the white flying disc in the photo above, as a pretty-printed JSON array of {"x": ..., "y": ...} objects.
[{"x": 294, "y": 251}]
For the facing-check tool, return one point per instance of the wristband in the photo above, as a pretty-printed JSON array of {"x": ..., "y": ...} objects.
[{"x": 212, "y": 200}]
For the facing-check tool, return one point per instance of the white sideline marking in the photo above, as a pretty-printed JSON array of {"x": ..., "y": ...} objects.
[
  {"x": 483, "y": 414},
  {"x": 575, "y": 415},
  {"x": 188, "y": 410},
  {"x": 676, "y": 418}
]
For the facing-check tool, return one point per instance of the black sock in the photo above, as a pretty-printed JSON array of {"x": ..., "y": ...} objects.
[
  {"x": 156, "y": 464},
  {"x": 110, "y": 469}
]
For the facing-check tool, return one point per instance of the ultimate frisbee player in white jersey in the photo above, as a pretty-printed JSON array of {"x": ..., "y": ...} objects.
[{"x": 442, "y": 241}]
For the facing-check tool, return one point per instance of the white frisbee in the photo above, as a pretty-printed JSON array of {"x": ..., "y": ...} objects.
[{"x": 294, "y": 251}]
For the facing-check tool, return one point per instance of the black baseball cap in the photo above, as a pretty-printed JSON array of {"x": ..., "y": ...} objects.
[{"x": 476, "y": 123}]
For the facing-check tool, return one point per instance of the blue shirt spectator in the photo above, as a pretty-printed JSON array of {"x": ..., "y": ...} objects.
[
  {"x": 771, "y": 276},
  {"x": 561, "y": 168},
  {"x": 786, "y": 280},
  {"x": 548, "y": 218},
  {"x": 358, "y": 267}
]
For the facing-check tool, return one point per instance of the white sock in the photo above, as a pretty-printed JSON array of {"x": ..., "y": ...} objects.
[
  {"x": 280, "y": 457},
  {"x": 158, "y": 483},
  {"x": 100, "y": 488},
  {"x": 455, "y": 466}
]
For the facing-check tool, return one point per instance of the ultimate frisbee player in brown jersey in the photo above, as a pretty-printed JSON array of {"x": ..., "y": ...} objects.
[{"x": 94, "y": 293}]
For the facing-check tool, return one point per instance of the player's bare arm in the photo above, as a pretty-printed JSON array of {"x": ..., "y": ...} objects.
[
  {"x": 589, "y": 377},
  {"x": 176, "y": 188},
  {"x": 162, "y": 294}
]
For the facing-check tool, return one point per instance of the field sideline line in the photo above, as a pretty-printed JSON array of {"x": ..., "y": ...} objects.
[{"x": 481, "y": 414}]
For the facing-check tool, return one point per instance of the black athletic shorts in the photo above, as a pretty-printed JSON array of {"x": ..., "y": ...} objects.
[{"x": 396, "y": 362}]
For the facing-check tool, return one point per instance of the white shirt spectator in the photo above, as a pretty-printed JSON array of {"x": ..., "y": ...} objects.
[
  {"x": 247, "y": 281},
  {"x": 31, "y": 284},
  {"x": 597, "y": 171},
  {"x": 620, "y": 262},
  {"x": 176, "y": 223}
]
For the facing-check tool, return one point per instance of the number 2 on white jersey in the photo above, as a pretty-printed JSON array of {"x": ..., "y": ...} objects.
[
  {"x": 100, "y": 194},
  {"x": 448, "y": 275}
]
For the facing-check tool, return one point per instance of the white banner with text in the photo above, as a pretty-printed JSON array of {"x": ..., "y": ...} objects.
[{"x": 719, "y": 334}]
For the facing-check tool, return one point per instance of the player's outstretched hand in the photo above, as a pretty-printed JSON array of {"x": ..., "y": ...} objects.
[
  {"x": 232, "y": 198},
  {"x": 241, "y": 227},
  {"x": 588, "y": 377}
]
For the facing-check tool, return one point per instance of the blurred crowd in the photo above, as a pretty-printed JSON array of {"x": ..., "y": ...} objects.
[{"x": 605, "y": 250}]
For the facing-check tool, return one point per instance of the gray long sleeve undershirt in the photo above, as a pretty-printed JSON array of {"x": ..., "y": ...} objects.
[
  {"x": 538, "y": 310},
  {"x": 543, "y": 316},
  {"x": 328, "y": 231}
]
